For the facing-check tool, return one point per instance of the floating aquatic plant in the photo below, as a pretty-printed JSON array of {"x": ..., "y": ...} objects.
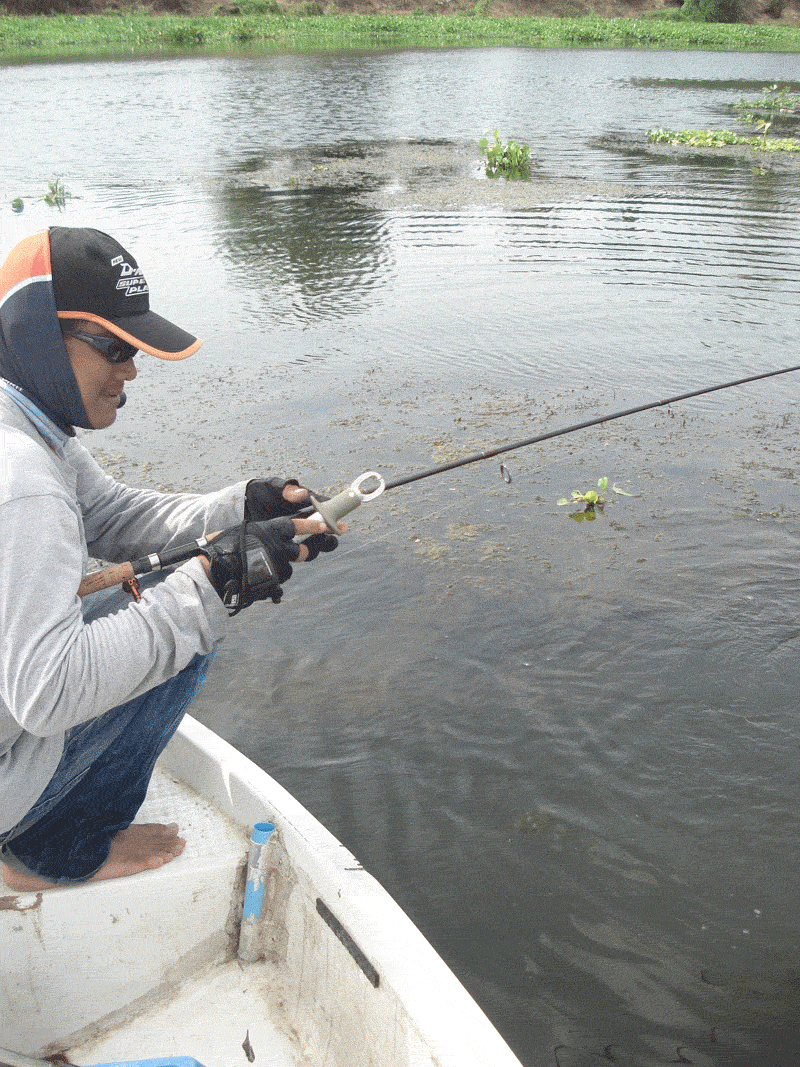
[
  {"x": 722, "y": 138},
  {"x": 772, "y": 106},
  {"x": 56, "y": 195},
  {"x": 512, "y": 160},
  {"x": 593, "y": 500}
]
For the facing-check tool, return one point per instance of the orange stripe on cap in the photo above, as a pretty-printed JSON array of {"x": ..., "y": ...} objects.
[
  {"x": 137, "y": 342},
  {"x": 27, "y": 262}
]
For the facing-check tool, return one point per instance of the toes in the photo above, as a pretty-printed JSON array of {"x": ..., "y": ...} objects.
[{"x": 178, "y": 847}]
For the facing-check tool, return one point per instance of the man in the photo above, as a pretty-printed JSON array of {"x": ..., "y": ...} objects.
[{"x": 90, "y": 697}]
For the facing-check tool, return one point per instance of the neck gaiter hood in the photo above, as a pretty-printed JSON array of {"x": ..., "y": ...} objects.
[{"x": 32, "y": 351}]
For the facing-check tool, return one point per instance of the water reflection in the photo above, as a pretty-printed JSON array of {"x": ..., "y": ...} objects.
[{"x": 305, "y": 254}]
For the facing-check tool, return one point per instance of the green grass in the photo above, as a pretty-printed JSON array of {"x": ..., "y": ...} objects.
[{"x": 61, "y": 36}]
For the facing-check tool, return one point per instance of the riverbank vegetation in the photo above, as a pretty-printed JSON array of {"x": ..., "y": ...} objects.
[{"x": 302, "y": 26}]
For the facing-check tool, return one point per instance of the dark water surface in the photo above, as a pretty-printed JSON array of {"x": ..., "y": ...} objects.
[{"x": 569, "y": 749}]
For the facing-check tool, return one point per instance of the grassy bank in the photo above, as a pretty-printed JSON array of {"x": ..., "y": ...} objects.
[{"x": 60, "y": 36}]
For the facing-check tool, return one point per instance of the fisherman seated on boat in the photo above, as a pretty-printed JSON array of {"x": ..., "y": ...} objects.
[{"x": 90, "y": 693}]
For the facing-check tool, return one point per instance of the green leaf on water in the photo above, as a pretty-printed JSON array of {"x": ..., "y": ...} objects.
[{"x": 592, "y": 499}]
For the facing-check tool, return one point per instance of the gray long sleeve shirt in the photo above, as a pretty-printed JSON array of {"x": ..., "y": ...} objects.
[{"x": 55, "y": 670}]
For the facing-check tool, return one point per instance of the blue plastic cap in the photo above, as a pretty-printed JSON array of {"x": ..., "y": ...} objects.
[{"x": 262, "y": 831}]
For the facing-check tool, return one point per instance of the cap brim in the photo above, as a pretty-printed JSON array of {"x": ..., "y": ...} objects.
[{"x": 149, "y": 332}]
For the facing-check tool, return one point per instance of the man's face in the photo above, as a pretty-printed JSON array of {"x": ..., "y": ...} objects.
[{"x": 100, "y": 382}]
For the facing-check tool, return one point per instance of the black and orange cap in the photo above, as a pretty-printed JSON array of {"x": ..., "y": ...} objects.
[{"x": 95, "y": 279}]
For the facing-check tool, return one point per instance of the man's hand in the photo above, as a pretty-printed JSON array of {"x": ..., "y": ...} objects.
[
  {"x": 252, "y": 561},
  {"x": 269, "y": 498}
]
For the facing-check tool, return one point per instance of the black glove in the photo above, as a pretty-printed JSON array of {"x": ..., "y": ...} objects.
[
  {"x": 321, "y": 542},
  {"x": 251, "y": 561},
  {"x": 263, "y": 499}
]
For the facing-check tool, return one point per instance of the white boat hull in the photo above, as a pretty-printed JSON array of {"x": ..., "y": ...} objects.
[{"x": 147, "y": 966}]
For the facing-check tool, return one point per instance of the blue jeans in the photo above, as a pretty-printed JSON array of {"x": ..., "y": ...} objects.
[{"x": 102, "y": 778}]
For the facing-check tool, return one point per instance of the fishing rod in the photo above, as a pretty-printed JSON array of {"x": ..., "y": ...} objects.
[
  {"x": 490, "y": 453},
  {"x": 346, "y": 502},
  {"x": 343, "y": 503}
]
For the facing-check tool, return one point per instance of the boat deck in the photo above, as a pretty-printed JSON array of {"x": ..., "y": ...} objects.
[
  {"x": 215, "y": 1019},
  {"x": 217, "y": 1015}
]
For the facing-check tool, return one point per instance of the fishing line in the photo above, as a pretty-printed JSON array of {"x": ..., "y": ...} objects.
[
  {"x": 490, "y": 453},
  {"x": 436, "y": 512}
]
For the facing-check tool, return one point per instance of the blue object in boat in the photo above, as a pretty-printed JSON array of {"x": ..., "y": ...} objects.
[{"x": 159, "y": 1061}]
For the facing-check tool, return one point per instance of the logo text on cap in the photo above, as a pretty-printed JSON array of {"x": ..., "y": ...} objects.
[{"x": 130, "y": 278}]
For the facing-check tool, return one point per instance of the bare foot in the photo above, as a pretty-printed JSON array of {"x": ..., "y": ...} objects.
[{"x": 141, "y": 847}]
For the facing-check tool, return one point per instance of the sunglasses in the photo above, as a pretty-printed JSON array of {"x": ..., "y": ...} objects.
[{"x": 115, "y": 350}]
